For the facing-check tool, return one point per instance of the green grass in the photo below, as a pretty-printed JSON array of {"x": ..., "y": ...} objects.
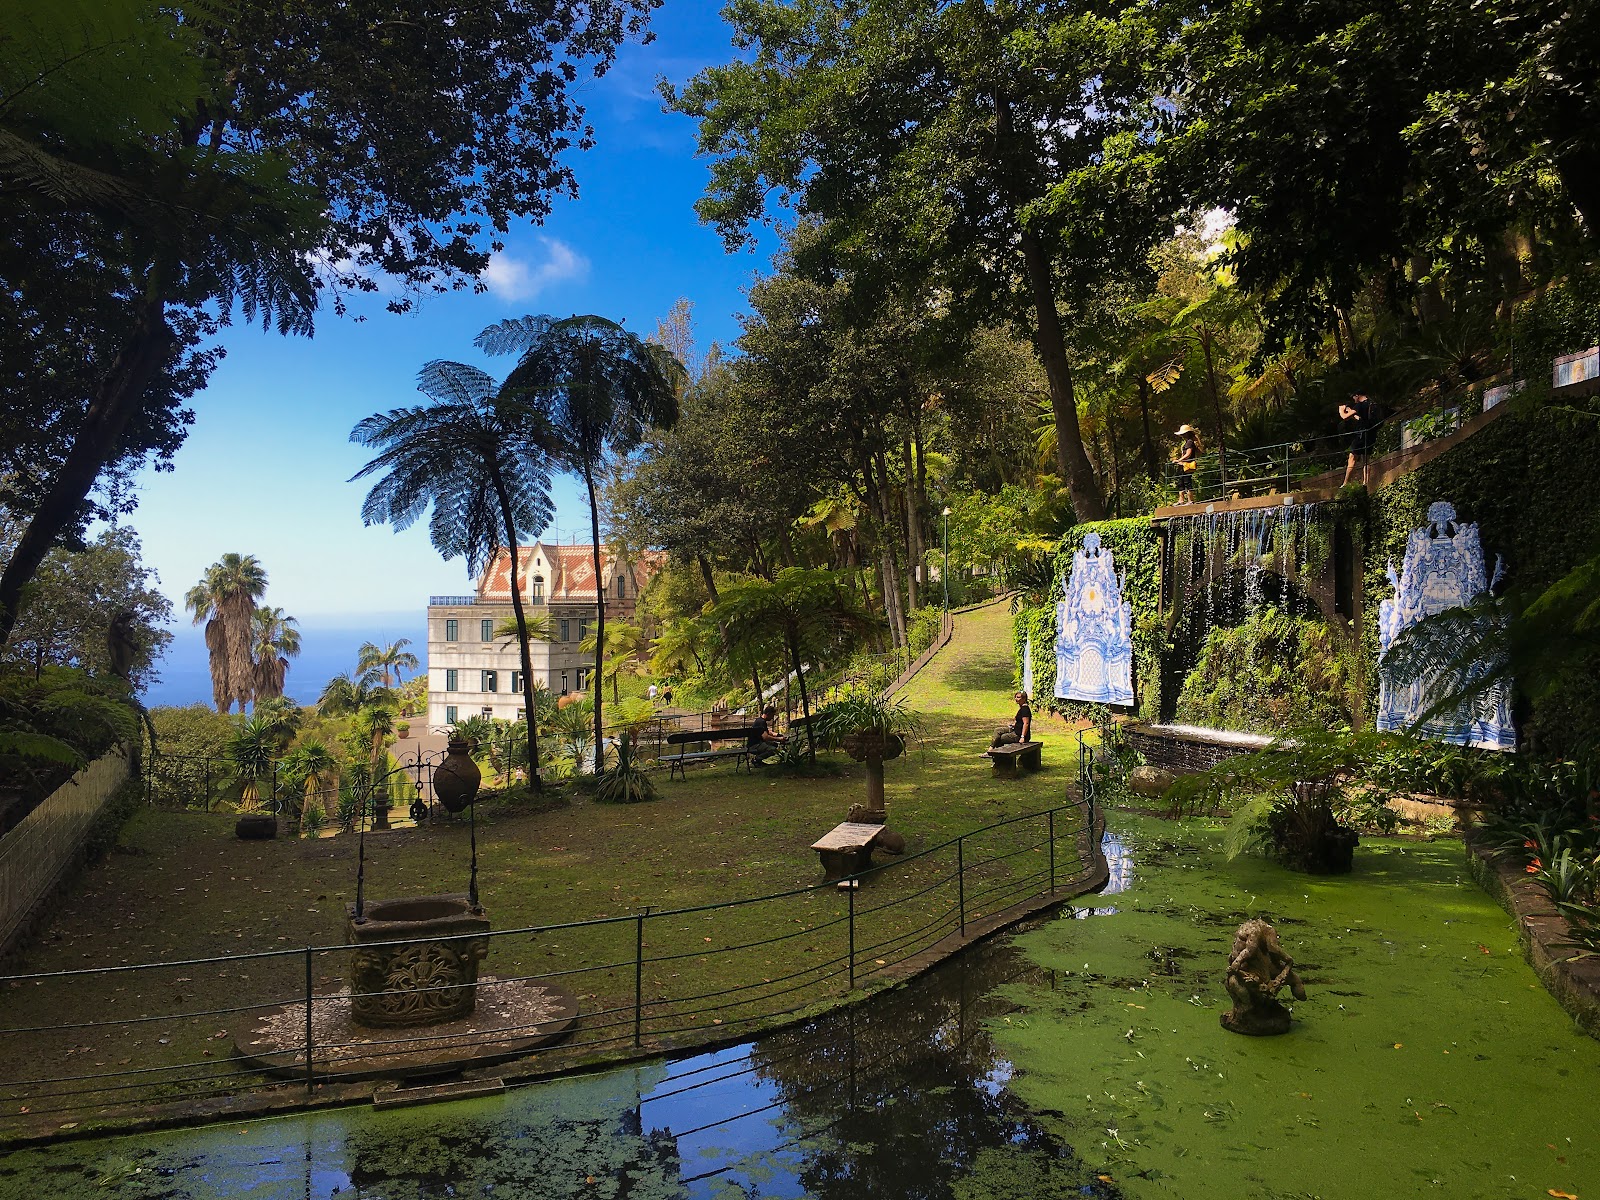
[{"x": 179, "y": 886}]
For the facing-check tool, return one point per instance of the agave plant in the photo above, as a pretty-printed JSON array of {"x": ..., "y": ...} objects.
[{"x": 627, "y": 782}]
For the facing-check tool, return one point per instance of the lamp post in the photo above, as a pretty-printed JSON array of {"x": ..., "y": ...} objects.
[{"x": 944, "y": 572}]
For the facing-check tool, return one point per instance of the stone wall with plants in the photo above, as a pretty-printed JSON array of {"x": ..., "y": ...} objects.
[
  {"x": 1531, "y": 481},
  {"x": 1136, "y": 551}
]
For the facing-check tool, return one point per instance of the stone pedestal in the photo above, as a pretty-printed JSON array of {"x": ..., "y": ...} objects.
[{"x": 414, "y": 961}]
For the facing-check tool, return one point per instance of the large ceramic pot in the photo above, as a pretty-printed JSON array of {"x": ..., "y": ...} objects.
[
  {"x": 256, "y": 827},
  {"x": 426, "y": 972},
  {"x": 456, "y": 779}
]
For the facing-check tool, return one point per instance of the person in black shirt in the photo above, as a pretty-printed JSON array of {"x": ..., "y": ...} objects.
[
  {"x": 763, "y": 741},
  {"x": 1357, "y": 419},
  {"x": 1021, "y": 727}
]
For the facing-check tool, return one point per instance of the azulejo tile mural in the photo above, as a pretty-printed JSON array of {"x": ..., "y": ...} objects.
[{"x": 1094, "y": 640}]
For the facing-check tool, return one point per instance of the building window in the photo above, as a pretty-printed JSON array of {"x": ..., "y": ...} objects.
[
  {"x": 622, "y": 587},
  {"x": 583, "y": 678},
  {"x": 566, "y": 630},
  {"x": 452, "y": 680},
  {"x": 566, "y": 678},
  {"x": 452, "y": 630},
  {"x": 583, "y": 632},
  {"x": 538, "y": 589},
  {"x": 486, "y": 711},
  {"x": 489, "y": 681},
  {"x": 516, "y": 681},
  {"x": 449, "y": 714},
  {"x": 486, "y": 630}
]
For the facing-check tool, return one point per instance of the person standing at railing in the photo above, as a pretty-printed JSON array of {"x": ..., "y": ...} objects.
[
  {"x": 1187, "y": 459},
  {"x": 1356, "y": 418}
]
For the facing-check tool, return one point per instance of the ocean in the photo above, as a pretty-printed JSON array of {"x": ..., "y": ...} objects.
[{"x": 328, "y": 646}]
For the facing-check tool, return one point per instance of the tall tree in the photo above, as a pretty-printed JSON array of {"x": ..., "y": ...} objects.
[
  {"x": 321, "y": 148},
  {"x": 225, "y": 599},
  {"x": 386, "y": 663},
  {"x": 946, "y": 142},
  {"x": 479, "y": 459},
  {"x": 599, "y": 391}
]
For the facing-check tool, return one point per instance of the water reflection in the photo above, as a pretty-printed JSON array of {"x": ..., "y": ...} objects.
[
  {"x": 1119, "y": 864},
  {"x": 900, "y": 1097}
]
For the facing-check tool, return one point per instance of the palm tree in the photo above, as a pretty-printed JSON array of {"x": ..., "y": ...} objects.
[
  {"x": 385, "y": 663},
  {"x": 345, "y": 695},
  {"x": 276, "y": 641},
  {"x": 479, "y": 460},
  {"x": 600, "y": 390},
  {"x": 225, "y": 599}
]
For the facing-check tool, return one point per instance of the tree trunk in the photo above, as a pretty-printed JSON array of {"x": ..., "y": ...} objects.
[
  {"x": 805, "y": 698},
  {"x": 599, "y": 622},
  {"x": 1216, "y": 404},
  {"x": 528, "y": 699},
  {"x": 149, "y": 343},
  {"x": 705, "y": 572},
  {"x": 238, "y": 624},
  {"x": 1151, "y": 463},
  {"x": 1087, "y": 502},
  {"x": 913, "y": 541},
  {"x": 888, "y": 567}
]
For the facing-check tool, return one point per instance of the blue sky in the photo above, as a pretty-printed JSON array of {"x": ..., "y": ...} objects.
[{"x": 263, "y": 471}]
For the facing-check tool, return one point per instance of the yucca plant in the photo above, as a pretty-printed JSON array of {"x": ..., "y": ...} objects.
[{"x": 627, "y": 782}]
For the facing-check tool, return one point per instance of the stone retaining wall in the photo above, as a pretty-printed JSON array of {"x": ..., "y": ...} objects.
[
  {"x": 1575, "y": 983},
  {"x": 1180, "y": 754},
  {"x": 50, "y": 840}
]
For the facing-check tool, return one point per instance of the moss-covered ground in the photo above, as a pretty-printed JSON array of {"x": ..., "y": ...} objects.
[{"x": 1427, "y": 1059}]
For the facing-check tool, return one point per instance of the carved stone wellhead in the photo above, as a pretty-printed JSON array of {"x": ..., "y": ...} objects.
[{"x": 428, "y": 974}]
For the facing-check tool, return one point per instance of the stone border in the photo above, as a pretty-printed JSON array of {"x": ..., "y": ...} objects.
[{"x": 1575, "y": 983}]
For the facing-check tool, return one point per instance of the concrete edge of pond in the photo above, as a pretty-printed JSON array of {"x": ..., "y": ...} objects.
[
  {"x": 1574, "y": 982},
  {"x": 288, "y": 1099}
]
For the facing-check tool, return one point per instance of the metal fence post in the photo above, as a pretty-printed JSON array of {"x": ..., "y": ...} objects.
[
  {"x": 310, "y": 1077},
  {"x": 851, "y": 892},
  {"x": 961, "y": 884},
  {"x": 638, "y": 979},
  {"x": 1052, "y": 817},
  {"x": 208, "y": 785}
]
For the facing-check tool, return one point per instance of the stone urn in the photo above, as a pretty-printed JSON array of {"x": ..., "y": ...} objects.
[
  {"x": 456, "y": 779},
  {"x": 415, "y": 961},
  {"x": 873, "y": 748}
]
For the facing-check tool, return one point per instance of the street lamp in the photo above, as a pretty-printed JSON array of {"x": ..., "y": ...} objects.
[{"x": 944, "y": 573}]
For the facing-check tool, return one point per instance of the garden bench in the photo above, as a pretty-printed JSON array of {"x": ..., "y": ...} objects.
[
  {"x": 677, "y": 764},
  {"x": 846, "y": 849},
  {"x": 1007, "y": 758}
]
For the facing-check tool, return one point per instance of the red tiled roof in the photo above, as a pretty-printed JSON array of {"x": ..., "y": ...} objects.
[{"x": 568, "y": 572}]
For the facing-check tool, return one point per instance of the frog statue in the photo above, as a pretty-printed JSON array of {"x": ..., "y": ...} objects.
[{"x": 1257, "y": 968}]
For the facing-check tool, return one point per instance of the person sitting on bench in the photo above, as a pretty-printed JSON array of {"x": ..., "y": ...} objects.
[
  {"x": 1021, "y": 726},
  {"x": 764, "y": 741}
]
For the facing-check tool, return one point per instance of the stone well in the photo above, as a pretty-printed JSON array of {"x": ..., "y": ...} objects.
[{"x": 415, "y": 961}]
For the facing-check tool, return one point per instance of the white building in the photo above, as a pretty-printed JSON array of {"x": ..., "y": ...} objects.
[{"x": 471, "y": 672}]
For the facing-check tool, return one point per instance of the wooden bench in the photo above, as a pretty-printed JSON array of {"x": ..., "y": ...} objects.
[
  {"x": 1029, "y": 755},
  {"x": 677, "y": 764},
  {"x": 846, "y": 849}
]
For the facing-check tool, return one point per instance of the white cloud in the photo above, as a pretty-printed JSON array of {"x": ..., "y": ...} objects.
[{"x": 514, "y": 279}]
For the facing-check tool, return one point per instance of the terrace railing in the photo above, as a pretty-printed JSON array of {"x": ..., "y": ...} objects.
[{"x": 656, "y": 979}]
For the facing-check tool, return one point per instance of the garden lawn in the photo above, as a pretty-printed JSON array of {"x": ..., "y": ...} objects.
[
  {"x": 179, "y": 886},
  {"x": 1426, "y": 1061}
]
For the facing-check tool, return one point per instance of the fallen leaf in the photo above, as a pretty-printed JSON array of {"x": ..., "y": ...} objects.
[
  {"x": 1561, "y": 1195},
  {"x": 1397, "y": 1045}
]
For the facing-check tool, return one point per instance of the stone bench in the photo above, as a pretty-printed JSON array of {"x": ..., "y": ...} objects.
[
  {"x": 846, "y": 849},
  {"x": 1029, "y": 755}
]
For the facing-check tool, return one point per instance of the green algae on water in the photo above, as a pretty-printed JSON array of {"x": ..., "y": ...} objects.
[{"x": 1427, "y": 1059}]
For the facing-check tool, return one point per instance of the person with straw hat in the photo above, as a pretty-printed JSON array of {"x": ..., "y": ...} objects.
[{"x": 1187, "y": 458}]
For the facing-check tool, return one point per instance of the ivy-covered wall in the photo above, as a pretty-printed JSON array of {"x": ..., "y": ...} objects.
[
  {"x": 1136, "y": 553},
  {"x": 1531, "y": 480}
]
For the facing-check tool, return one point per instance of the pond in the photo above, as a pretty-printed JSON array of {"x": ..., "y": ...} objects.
[{"x": 1076, "y": 1058}]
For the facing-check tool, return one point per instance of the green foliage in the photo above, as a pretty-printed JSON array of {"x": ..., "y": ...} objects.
[
  {"x": 864, "y": 712},
  {"x": 58, "y": 720},
  {"x": 1272, "y": 672}
]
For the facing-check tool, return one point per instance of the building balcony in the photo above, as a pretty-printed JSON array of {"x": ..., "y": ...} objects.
[{"x": 451, "y": 601}]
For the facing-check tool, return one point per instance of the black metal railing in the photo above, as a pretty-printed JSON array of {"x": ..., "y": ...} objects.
[{"x": 638, "y": 979}]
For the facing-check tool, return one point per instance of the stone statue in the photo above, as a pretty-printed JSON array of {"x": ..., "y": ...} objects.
[{"x": 1257, "y": 968}]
